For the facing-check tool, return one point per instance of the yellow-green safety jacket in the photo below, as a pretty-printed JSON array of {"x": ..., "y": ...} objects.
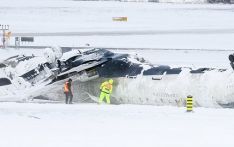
[{"x": 106, "y": 87}]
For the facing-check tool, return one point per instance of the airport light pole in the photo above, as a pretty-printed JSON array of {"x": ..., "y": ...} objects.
[{"x": 4, "y": 28}]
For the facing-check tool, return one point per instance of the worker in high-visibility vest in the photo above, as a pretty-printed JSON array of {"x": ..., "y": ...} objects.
[
  {"x": 68, "y": 91},
  {"x": 106, "y": 90}
]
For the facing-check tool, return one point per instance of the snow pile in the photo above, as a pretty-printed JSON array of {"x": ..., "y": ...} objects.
[
  {"x": 213, "y": 88},
  {"x": 209, "y": 89},
  {"x": 90, "y": 125},
  {"x": 52, "y": 54}
]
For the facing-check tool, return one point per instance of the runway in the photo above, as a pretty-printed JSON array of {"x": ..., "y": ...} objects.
[{"x": 127, "y": 32}]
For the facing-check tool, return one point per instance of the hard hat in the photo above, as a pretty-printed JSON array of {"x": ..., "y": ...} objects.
[{"x": 111, "y": 81}]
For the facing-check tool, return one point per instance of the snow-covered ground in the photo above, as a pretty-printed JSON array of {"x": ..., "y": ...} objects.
[
  {"x": 74, "y": 16},
  {"x": 92, "y": 125},
  {"x": 202, "y": 26},
  {"x": 178, "y": 26}
]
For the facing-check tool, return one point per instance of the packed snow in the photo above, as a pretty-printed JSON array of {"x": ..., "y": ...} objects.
[
  {"x": 153, "y": 26},
  {"x": 113, "y": 125},
  {"x": 75, "y": 16},
  {"x": 184, "y": 26}
]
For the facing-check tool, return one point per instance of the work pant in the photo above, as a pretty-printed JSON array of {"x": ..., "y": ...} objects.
[
  {"x": 104, "y": 95},
  {"x": 69, "y": 97}
]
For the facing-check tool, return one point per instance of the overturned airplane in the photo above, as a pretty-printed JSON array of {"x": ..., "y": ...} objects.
[{"x": 135, "y": 80}]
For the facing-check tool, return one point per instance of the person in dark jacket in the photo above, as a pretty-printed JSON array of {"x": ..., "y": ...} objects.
[
  {"x": 59, "y": 66},
  {"x": 68, "y": 91}
]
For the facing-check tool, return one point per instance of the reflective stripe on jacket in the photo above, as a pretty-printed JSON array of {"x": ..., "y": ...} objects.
[{"x": 106, "y": 87}]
